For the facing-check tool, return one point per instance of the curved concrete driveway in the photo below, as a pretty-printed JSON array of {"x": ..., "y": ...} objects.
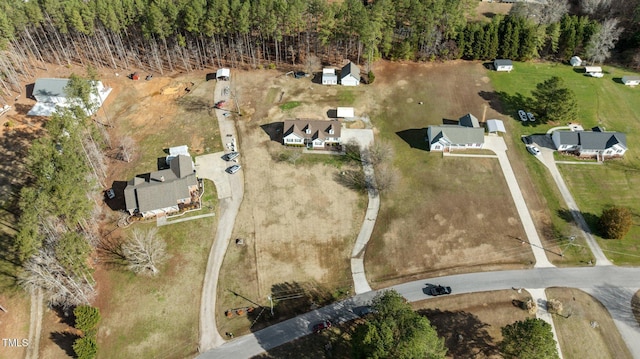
[
  {"x": 230, "y": 190},
  {"x": 364, "y": 137},
  {"x": 547, "y": 149},
  {"x": 613, "y": 286}
]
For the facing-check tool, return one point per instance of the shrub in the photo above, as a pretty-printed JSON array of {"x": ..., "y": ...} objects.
[
  {"x": 615, "y": 222},
  {"x": 371, "y": 77},
  {"x": 87, "y": 318},
  {"x": 85, "y": 347}
]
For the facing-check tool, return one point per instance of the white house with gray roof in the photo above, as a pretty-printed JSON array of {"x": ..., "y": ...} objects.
[
  {"x": 350, "y": 75},
  {"x": 50, "y": 92},
  {"x": 311, "y": 133},
  {"x": 450, "y": 137},
  {"x": 163, "y": 191},
  {"x": 591, "y": 143}
]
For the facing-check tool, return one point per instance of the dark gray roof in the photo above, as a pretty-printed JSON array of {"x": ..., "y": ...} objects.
[
  {"x": 161, "y": 189},
  {"x": 601, "y": 140},
  {"x": 350, "y": 69},
  {"x": 456, "y": 135},
  {"x": 569, "y": 138},
  {"x": 469, "y": 120},
  {"x": 630, "y": 78},
  {"x": 50, "y": 87},
  {"x": 502, "y": 62}
]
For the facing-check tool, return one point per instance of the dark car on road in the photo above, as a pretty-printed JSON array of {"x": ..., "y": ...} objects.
[
  {"x": 527, "y": 140},
  {"x": 233, "y": 169},
  {"x": 318, "y": 327},
  {"x": 437, "y": 290}
]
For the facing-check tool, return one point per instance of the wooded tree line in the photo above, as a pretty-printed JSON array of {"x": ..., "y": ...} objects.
[
  {"x": 168, "y": 35},
  {"x": 56, "y": 229}
]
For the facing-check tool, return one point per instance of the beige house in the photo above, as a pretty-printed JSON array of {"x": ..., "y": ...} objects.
[{"x": 311, "y": 133}]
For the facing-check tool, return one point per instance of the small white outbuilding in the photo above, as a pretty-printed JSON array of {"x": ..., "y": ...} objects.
[
  {"x": 631, "y": 80},
  {"x": 329, "y": 76},
  {"x": 575, "y": 61},
  {"x": 223, "y": 74},
  {"x": 345, "y": 112}
]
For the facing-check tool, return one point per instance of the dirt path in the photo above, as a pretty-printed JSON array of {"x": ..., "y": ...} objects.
[{"x": 35, "y": 324}]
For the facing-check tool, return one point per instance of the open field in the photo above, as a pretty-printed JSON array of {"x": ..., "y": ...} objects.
[
  {"x": 578, "y": 339},
  {"x": 447, "y": 215},
  {"x": 14, "y": 324},
  {"x": 297, "y": 222},
  {"x": 601, "y": 102}
]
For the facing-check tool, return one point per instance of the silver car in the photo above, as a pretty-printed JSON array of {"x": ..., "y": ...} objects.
[
  {"x": 533, "y": 150},
  {"x": 230, "y": 156},
  {"x": 522, "y": 115},
  {"x": 233, "y": 169}
]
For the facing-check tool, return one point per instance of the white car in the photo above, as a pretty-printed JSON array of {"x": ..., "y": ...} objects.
[
  {"x": 533, "y": 150},
  {"x": 522, "y": 115},
  {"x": 531, "y": 117}
]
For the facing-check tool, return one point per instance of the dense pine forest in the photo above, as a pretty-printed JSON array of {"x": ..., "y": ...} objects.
[{"x": 169, "y": 35}]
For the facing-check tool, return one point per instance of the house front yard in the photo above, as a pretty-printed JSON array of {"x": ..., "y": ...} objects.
[{"x": 601, "y": 102}]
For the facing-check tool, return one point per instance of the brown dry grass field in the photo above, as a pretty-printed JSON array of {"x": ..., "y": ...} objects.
[
  {"x": 297, "y": 222},
  {"x": 578, "y": 339},
  {"x": 447, "y": 215}
]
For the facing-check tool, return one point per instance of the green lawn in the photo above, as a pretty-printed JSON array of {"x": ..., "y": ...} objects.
[{"x": 601, "y": 102}]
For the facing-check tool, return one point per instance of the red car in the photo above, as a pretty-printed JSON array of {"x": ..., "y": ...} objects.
[
  {"x": 325, "y": 324},
  {"x": 219, "y": 104}
]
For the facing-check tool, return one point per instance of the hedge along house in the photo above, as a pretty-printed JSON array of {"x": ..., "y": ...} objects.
[
  {"x": 503, "y": 65},
  {"x": 164, "y": 191},
  {"x": 317, "y": 134},
  {"x": 50, "y": 93}
]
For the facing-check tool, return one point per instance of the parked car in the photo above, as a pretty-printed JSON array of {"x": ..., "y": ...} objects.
[
  {"x": 437, "y": 290},
  {"x": 110, "y": 193},
  {"x": 531, "y": 117},
  {"x": 233, "y": 169},
  {"x": 533, "y": 150},
  {"x": 219, "y": 104},
  {"x": 522, "y": 115},
  {"x": 526, "y": 139},
  {"x": 299, "y": 74},
  {"x": 230, "y": 156},
  {"x": 318, "y": 327}
]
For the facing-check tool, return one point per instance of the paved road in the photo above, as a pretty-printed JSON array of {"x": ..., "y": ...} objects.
[
  {"x": 498, "y": 146},
  {"x": 613, "y": 286},
  {"x": 230, "y": 193},
  {"x": 546, "y": 157}
]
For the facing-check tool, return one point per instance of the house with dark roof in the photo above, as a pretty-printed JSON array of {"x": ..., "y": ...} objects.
[
  {"x": 350, "y": 75},
  {"x": 450, "y": 137},
  {"x": 311, "y": 133},
  {"x": 597, "y": 144},
  {"x": 469, "y": 120},
  {"x": 503, "y": 65},
  {"x": 163, "y": 191},
  {"x": 50, "y": 93}
]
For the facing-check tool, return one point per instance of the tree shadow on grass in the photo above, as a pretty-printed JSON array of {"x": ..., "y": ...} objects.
[
  {"x": 65, "y": 341},
  {"x": 464, "y": 333},
  {"x": 415, "y": 137},
  {"x": 569, "y": 216},
  {"x": 505, "y": 103}
]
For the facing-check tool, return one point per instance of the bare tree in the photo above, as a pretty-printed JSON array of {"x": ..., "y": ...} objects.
[
  {"x": 542, "y": 13},
  {"x": 603, "y": 41},
  {"x": 353, "y": 179},
  {"x": 386, "y": 177},
  {"x": 592, "y": 7},
  {"x": 144, "y": 251},
  {"x": 127, "y": 147},
  {"x": 379, "y": 152},
  {"x": 44, "y": 271}
]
